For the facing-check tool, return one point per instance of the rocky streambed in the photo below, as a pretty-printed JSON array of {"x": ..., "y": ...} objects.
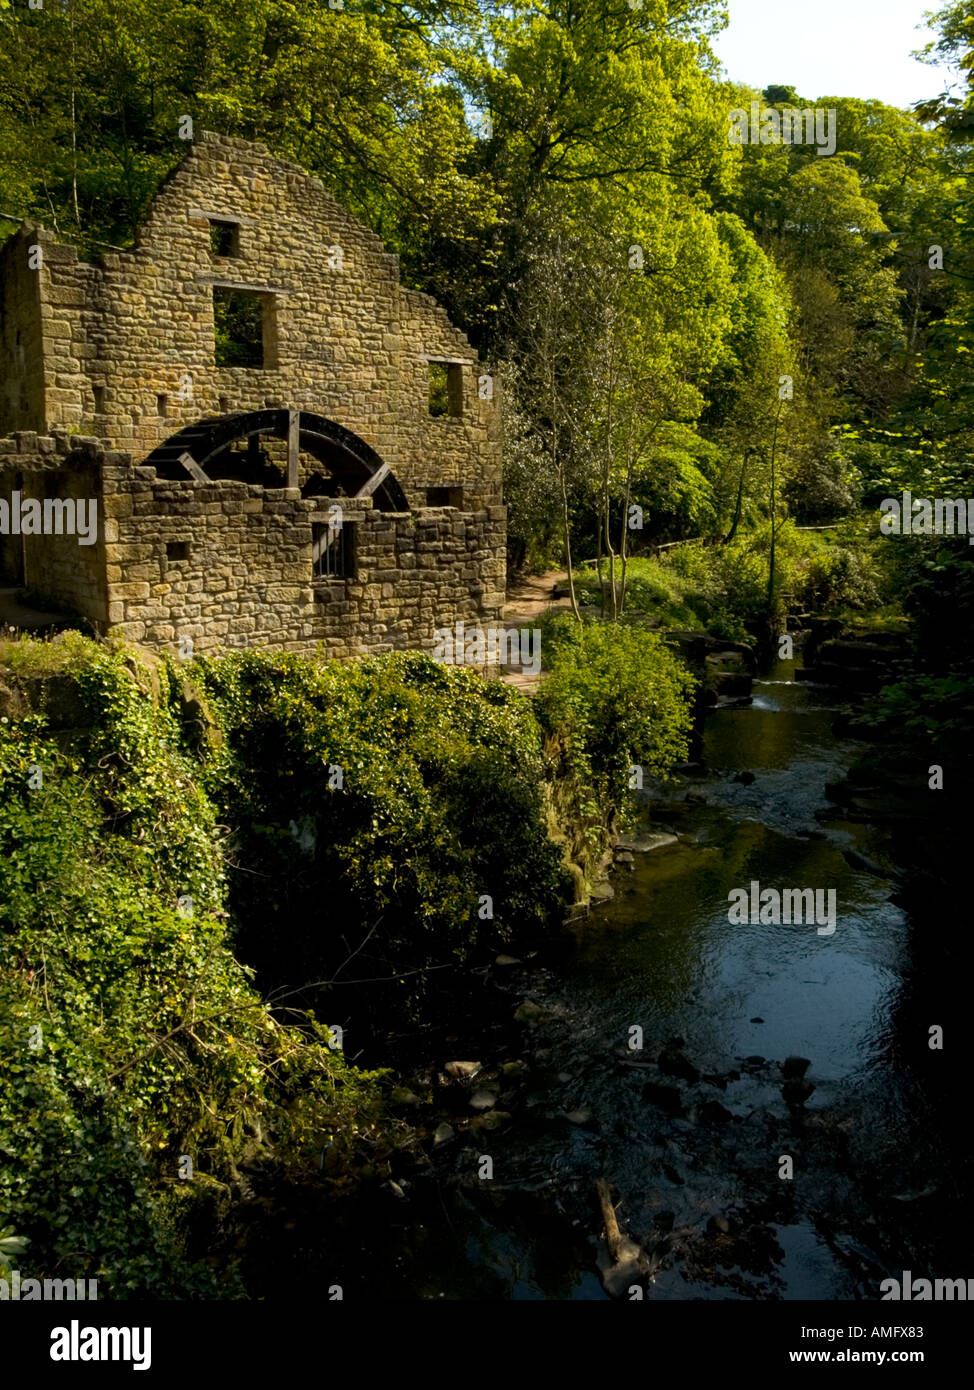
[{"x": 751, "y": 1096}]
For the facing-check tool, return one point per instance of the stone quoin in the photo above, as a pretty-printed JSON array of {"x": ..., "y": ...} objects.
[{"x": 284, "y": 446}]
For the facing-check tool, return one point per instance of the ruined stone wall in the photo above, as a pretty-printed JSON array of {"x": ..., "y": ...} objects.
[
  {"x": 58, "y": 566},
  {"x": 124, "y": 351},
  {"x": 55, "y": 564},
  {"x": 245, "y": 577},
  {"x": 130, "y": 341},
  {"x": 443, "y": 447}
]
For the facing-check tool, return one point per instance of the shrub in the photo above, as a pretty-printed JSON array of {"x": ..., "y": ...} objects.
[
  {"x": 834, "y": 577},
  {"x": 441, "y": 804},
  {"x": 618, "y": 697},
  {"x": 130, "y": 1034}
]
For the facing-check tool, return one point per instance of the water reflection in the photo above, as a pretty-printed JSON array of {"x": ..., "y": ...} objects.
[{"x": 695, "y": 1157}]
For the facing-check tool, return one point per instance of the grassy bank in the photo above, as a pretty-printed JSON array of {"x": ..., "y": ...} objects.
[{"x": 723, "y": 589}]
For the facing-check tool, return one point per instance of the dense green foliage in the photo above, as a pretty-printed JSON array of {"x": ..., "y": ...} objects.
[
  {"x": 928, "y": 446},
  {"x": 210, "y": 834},
  {"x": 721, "y": 588},
  {"x": 618, "y": 698},
  {"x": 697, "y": 341},
  {"x": 382, "y": 801},
  {"x": 131, "y": 1034},
  {"x": 561, "y": 177}
]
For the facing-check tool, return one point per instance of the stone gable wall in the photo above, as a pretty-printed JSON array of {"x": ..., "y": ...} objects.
[
  {"x": 349, "y": 344},
  {"x": 123, "y": 351}
]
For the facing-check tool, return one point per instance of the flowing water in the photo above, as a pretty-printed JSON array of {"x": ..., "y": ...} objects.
[{"x": 697, "y": 1160}]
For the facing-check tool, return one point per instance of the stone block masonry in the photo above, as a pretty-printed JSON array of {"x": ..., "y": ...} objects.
[
  {"x": 230, "y": 565},
  {"x": 250, "y": 366}
]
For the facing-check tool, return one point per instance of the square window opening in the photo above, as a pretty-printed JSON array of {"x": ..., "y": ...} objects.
[
  {"x": 444, "y": 497},
  {"x": 176, "y": 551},
  {"x": 333, "y": 550},
  {"x": 446, "y": 389},
  {"x": 224, "y": 238},
  {"x": 241, "y": 323}
]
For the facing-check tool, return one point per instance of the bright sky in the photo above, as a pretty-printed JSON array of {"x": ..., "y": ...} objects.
[{"x": 846, "y": 48}]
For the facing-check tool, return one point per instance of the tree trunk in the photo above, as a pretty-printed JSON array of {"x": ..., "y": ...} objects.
[
  {"x": 566, "y": 532},
  {"x": 740, "y": 499},
  {"x": 624, "y": 533},
  {"x": 774, "y": 501}
]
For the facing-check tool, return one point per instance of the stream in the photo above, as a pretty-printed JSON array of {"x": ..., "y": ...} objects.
[{"x": 691, "y": 1128}]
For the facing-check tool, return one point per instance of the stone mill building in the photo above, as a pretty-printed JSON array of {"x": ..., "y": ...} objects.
[{"x": 279, "y": 444}]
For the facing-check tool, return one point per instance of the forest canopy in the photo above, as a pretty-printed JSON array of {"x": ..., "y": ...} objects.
[{"x": 560, "y": 176}]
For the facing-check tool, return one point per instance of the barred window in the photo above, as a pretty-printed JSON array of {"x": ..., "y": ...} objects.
[{"x": 333, "y": 550}]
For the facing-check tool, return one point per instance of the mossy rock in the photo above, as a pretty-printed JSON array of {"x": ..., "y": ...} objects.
[
  {"x": 199, "y": 725},
  {"x": 579, "y": 883},
  {"x": 149, "y": 673},
  {"x": 58, "y": 698}
]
